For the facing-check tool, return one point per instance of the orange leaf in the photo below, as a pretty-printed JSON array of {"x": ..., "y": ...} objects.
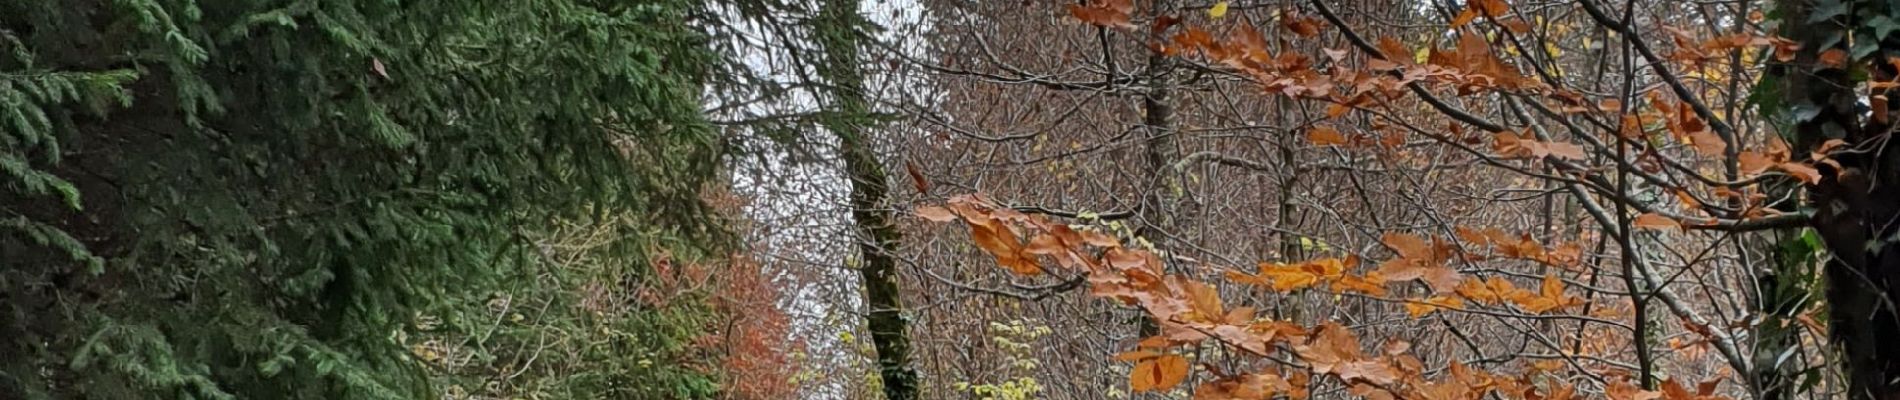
[
  {"x": 1833, "y": 57},
  {"x": 1624, "y": 390},
  {"x": 1492, "y": 8},
  {"x": 1553, "y": 286},
  {"x": 1361, "y": 284},
  {"x": 1442, "y": 279},
  {"x": 1137, "y": 355},
  {"x": 1205, "y": 301},
  {"x": 1044, "y": 244},
  {"x": 1098, "y": 239},
  {"x": 1325, "y": 136},
  {"x": 1421, "y": 308},
  {"x": 1333, "y": 111},
  {"x": 1287, "y": 278},
  {"x": 1331, "y": 346},
  {"x": 1464, "y": 17},
  {"x": 1655, "y": 221},
  {"x": 1159, "y": 373},
  {"x": 1806, "y": 173},
  {"x": 1303, "y": 26},
  {"x": 1707, "y": 143},
  {"x": 1101, "y": 16},
  {"x": 1239, "y": 316},
  {"x": 1753, "y": 163},
  {"x": 1407, "y": 245},
  {"x": 1394, "y": 50},
  {"x": 1673, "y": 390}
]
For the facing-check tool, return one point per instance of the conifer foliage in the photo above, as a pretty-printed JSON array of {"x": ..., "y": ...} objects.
[{"x": 231, "y": 199}]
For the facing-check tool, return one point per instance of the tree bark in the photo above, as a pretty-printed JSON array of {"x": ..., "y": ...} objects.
[
  {"x": 839, "y": 33},
  {"x": 1159, "y": 153}
]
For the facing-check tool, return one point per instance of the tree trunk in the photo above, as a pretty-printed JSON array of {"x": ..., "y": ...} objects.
[
  {"x": 839, "y": 32},
  {"x": 1158, "y": 151},
  {"x": 1854, "y": 206}
]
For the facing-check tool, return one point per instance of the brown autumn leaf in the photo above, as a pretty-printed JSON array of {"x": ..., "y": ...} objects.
[
  {"x": 1137, "y": 355},
  {"x": 1331, "y": 346},
  {"x": 1099, "y": 239},
  {"x": 1878, "y": 103},
  {"x": 1491, "y": 8},
  {"x": 1655, "y": 221},
  {"x": 1421, "y": 308},
  {"x": 1369, "y": 371},
  {"x": 1245, "y": 386},
  {"x": 1366, "y": 284},
  {"x": 1333, "y": 111},
  {"x": 1407, "y": 245},
  {"x": 1708, "y": 143},
  {"x": 1516, "y": 25},
  {"x": 1395, "y": 346},
  {"x": 1300, "y": 25},
  {"x": 1395, "y": 51},
  {"x": 1101, "y": 16},
  {"x": 1442, "y": 279},
  {"x": 1564, "y": 150},
  {"x": 1121, "y": 258},
  {"x": 1204, "y": 300},
  {"x": 1806, "y": 173},
  {"x": 1549, "y": 297},
  {"x": 1322, "y": 135},
  {"x": 1707, "y": 388},
  {"x": 1464, "y": 17},
  {"x": 917, "y": 179},
  {"x": 1753, "y": 163},
  {"x": 1833, "y": 58},
  {"x": 1553, "y": 287},
  {"x": 1158, "y": 373},
  {"x": 1000, "y": 241},
  {"x": 1162, "y": 24},
  {"x": 1672, "y": 390},
  {"x": 936, "y": 214},
  {"x": 1044, "y": 244},
  {"x": 1239, "y": 316},
  {"x": 1287, "y": 278}
]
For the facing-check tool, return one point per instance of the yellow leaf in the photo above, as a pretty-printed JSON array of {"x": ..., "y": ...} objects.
[{"x": 1219, "y": 10}]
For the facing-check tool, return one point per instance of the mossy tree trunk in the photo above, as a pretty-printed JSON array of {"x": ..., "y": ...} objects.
[{"x": 840, "y": 30}]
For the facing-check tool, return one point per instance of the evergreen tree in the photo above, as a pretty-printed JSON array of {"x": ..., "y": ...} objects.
[{"x": 253, "y": 198}]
